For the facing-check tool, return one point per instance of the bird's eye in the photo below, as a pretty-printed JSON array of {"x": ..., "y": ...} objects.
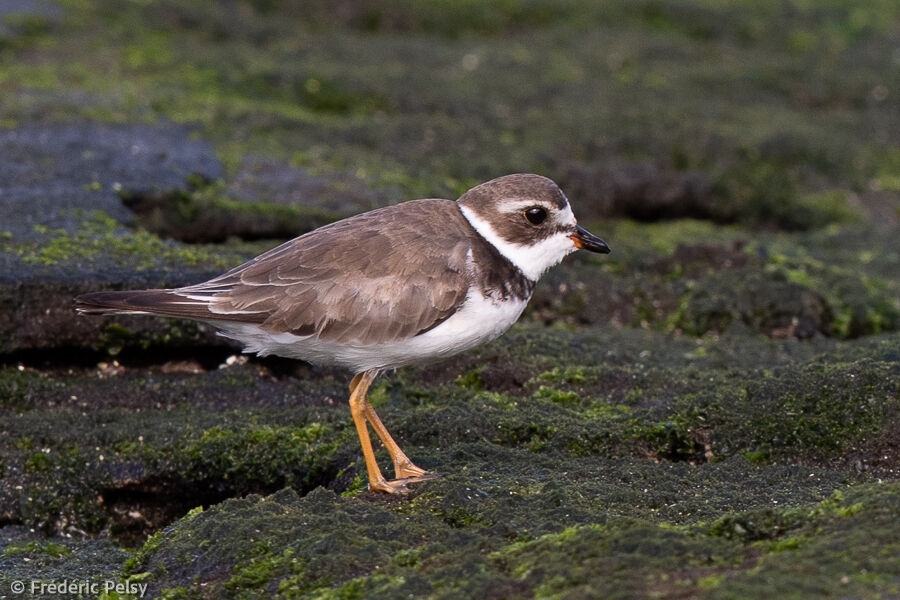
[{"x": 535, "y": 215}]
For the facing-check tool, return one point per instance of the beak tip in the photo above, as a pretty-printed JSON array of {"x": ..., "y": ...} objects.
[{"x": 586, "y": 240}]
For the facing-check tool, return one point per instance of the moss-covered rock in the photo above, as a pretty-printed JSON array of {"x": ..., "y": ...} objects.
[
  {"x": 671, "y": 420},
  {"x": 153, "y": 444},
  {"x": 767, "y": 303},
  {"x": 26, "y": 556},
  {"x": 757, "y": 281},
  {"x": 206, "y": 215},
  {"x": 285, "y": 546}
]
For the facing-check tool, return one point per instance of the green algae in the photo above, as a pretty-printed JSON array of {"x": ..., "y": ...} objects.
[
  {"x": 18, "y": 389},
  {"x": 494, "y": 498},
  {"x": 20, "y": 31},
  {"x": 98, "y": 235},
  {"x": 600, "y": 454},
  {"x": 813, "y": 411},
  {"x": 210, "y": 456},
  {"x": 769, "y": 283},
  {"x": 861, "y": 304},
  {"x": 826, "y": 557},
  {"x": 587, "y": 557},
  {"x": 325, "y": 90},
  {"x": 770, "y": 303},
  {"x": 764, "y": 191},
  {"x": 622, "y": 557},
  {"x": 28, "y": 557},
  {"x": 51, "y": 549},
  {"x": 256, "y": 455},
  {"x": 805, "y": 410}
]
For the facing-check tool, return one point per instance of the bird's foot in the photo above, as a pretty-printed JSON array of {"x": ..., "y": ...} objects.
[
  {"x": 399, "y": 486},
  {"x": 405, "y": 469},
  {"x": 424, "y": 477}
]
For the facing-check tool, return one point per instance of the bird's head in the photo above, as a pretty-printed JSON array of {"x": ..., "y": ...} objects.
[{"x": 529, "y": 220}]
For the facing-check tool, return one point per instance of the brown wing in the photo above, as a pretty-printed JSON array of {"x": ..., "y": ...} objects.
[{"x": 380, "y": 276}]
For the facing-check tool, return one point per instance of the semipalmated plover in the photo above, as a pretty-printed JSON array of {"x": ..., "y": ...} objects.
[{"x": 396, "y": 286}]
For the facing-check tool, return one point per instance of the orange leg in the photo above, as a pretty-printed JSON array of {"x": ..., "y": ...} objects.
[
  {"x": 404, "y": 470},
  {"x": 358, "y": 388},
  {"x": 403, "y": 467}
]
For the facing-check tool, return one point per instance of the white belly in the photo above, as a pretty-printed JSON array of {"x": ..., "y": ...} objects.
[{"x": 479, "y": 320}]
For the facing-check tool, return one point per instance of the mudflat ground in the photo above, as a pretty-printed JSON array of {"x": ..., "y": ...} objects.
[{"x": 711, "y": 411}]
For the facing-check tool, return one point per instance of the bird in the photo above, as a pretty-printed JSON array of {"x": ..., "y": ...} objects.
[{"x": 404, "y": 284}]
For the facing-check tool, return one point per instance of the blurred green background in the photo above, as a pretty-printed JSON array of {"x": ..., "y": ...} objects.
[{"x": 770, "y": 102}]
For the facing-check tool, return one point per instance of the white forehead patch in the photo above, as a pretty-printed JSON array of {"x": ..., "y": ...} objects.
[
  {"x": 564, "y": 215},
  {"x": 532, "y": 259}
]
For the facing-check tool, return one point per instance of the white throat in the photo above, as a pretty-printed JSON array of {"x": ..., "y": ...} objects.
[{"x": 532, "y": 259}]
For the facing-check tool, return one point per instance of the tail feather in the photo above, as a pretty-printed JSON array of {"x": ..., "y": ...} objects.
[
  {"x": 146, "y": 302},
  {"x": 183, "y": 303},
  {"x": 132, "y": 301}
]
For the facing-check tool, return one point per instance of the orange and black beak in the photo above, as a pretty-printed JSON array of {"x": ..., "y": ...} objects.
[{"x": 584, "y": 239}]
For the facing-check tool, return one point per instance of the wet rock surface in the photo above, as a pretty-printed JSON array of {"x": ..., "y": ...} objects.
[
  {"x": 261, "y": 179},
  {"x": 711, "y": 411},
  {"x": 62, "y": 217},
  {"x": 23, "y": 17},
  {"x": 639, "y": 191},
  {"x": 53, "y": 174}
]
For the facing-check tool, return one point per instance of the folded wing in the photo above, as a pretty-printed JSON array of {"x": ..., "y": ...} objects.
[{"x": 385, "y": 275}]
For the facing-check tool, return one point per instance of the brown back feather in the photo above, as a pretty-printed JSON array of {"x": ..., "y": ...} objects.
[{"x": 381, "y": 276}]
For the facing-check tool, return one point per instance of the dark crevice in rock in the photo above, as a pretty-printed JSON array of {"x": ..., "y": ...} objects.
[
  {"x": 53, "y": 358},
  {"x": 137, "y": 509},
  {"x": 670, "y": 443},
  {"x": 71, "y": 357},
  {"x": 196, "y": 359},
  {"x": 203, "y": 214},
  {"x": 6, "y": 521},
  {"x": 757, "y": 188},
  {"x": 639, "y": 191}
]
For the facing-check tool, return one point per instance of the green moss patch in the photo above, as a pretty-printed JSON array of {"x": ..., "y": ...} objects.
[
  {"x": 101, "y": 237},
  {"x": 324, "y": 546},
  {"x": 671, "y": 420},
  {"x": 152, "y": 447}
]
